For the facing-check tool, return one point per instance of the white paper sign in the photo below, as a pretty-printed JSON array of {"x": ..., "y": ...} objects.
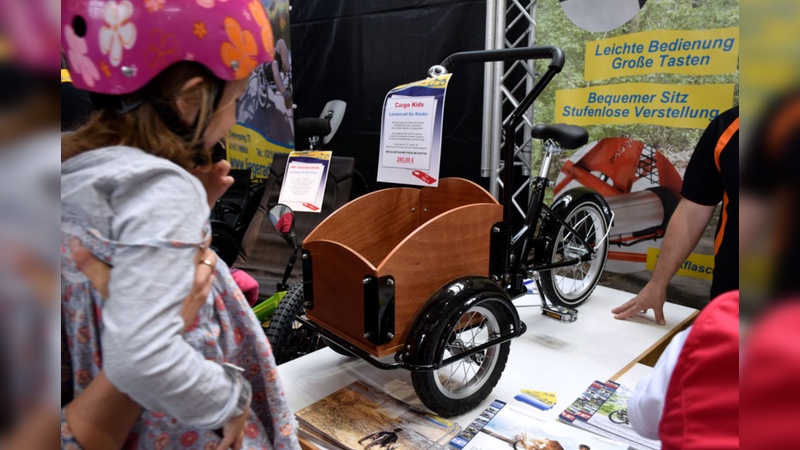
[
  {"x": 408, "y": 132},
  {"x": 302, "y": 182},
  {"x": 411, "y": 132},
  {"x": 303, "y": 185}
]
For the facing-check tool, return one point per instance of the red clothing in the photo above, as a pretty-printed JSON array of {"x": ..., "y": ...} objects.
[
  {"x": 770, "y": 375},
  {"x": 701, "y": 409}
]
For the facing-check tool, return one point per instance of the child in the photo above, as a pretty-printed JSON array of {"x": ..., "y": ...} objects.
[{"x": 166, "y": 76}]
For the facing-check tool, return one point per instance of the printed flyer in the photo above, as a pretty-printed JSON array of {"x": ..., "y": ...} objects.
[
  {"x": 303, "y": 186},
  {"x": 411, "y": 133}
]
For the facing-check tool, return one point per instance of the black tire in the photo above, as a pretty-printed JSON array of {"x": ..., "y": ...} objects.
[
  {"x": 439, "y": 389},
  {"x": 571, "y": 286},
  {"x": 289, "y": 338}
]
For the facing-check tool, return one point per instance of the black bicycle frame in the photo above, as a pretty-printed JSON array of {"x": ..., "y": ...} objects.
[
  {"x": 399, "y": 363},
  {"x": 516, "y": 248}
]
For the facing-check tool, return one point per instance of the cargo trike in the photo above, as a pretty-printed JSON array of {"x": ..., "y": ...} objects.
[{"x": 423, "y": 279}]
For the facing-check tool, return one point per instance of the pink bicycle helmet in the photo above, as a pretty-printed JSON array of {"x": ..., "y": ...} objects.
[
  {"x": 29, "y": 34},
  {"x": 118, "y": 46}
]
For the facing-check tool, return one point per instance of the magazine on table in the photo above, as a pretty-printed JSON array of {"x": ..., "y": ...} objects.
[
  {"x": 608, "y": 418},
  {"x": 613, "y": 417},
  {"x": 360, "y": 416},
  {"x": 522, "y": 428},
  {"x": 589, "y": 402}
]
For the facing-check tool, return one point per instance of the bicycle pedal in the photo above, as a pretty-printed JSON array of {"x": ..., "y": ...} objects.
[{"x": 560, "y": 313}]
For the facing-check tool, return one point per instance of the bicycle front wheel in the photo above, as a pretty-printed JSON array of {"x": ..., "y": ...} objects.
[
  {"x": 571, "y": 285},
  {"x": 461, "y": 386}
]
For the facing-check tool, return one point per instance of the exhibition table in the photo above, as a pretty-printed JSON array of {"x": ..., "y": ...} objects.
[{"x": 563, "y": 358}]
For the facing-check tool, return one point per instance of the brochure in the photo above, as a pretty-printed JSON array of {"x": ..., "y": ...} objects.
[
  {"x": 609, "y": 418},
  {"x": 510, "y": 426},
  {"x": 613, "y": 417},
  {"x": 360, "y": 416}
]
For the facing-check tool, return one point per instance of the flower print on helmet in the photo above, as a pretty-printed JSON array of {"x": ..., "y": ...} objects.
[
  {"x": 118, "y": 32},
  {"x": 80, "y": 63},
  {"x": 131, "y": 42}
]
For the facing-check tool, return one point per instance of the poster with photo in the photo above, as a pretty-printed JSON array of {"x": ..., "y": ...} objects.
[{"x": 264, "y": 114}]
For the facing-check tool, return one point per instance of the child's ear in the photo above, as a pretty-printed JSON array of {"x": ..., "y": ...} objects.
[{"x": 187, "y": 105}]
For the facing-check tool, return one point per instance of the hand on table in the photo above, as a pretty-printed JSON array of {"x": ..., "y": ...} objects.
[{"x": 649, "y": 298}]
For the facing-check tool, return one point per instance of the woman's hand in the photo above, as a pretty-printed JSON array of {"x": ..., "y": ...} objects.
[
  {"x": 99, "y": 273},
  {"x": 233, "y": 432}
]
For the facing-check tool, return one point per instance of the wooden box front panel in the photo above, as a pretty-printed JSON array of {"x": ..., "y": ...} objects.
[
  {"x": 452, "y": 245},
  {"x": 337, "y": 283}
]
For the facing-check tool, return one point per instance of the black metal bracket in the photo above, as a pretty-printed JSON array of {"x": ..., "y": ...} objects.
[
  {"x": 379, "y": 309},
  {"x": 308, "y": 288},
  {"x": 498, "y": 251}
]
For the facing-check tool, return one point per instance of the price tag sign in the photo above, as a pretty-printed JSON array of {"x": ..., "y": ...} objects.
[
  {"x": 411, "y": 133},
  {"x": 304, "y": 181}
]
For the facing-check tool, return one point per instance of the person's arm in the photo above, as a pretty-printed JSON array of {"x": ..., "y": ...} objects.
[
  {"x": 683, "y": 233},
  {"x": 101, "y": 416},
  {"x": 145, "y": 355},
  {"x": 646, "y": 405}
]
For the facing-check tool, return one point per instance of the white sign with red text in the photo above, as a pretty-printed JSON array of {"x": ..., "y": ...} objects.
[
  {"x": 411, "y": 133},
  {"x": 304, "y": 181},
  {"x": 407, "y": 135}
]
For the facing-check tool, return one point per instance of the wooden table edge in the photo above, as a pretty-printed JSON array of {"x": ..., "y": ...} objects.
[{"x": 656, "y": 345}]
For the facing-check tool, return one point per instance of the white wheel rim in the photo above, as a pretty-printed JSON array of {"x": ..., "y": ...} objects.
[
  {"x": 572, "y": 282},
  {"x": 466, "y": 376}
]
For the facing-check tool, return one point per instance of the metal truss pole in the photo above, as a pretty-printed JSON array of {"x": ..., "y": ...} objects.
[
  {"x": 514, "y": 26},
  {"x": 488, "y": 130}
]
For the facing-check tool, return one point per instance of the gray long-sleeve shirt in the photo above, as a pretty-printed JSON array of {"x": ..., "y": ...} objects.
[{"x": 135, "y": 200}]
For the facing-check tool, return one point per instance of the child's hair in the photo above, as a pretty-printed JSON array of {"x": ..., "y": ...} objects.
[{"x": 145, "y": 129}]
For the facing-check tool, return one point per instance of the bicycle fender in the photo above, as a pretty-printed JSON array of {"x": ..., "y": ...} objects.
[
  {"x": 447, "y": 305},
  {"x": 573, "y": 195},
  {"x": 560, "y": 206}
]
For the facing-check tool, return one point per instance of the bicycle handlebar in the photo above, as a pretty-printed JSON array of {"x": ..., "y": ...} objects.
[
  {"x": 510, "y": 54},
  {"x": 556, "y": 57}
]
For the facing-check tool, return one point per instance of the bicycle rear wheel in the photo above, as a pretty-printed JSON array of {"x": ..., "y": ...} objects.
[{"x": 571, "y": 285}]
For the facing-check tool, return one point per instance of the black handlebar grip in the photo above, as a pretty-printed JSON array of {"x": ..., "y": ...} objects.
[{"x": 555, "y": 54}]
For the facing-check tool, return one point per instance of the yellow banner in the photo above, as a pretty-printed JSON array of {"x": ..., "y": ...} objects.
[
  {"x": 669, "y": 105},
  {"x": 247, "y": 148},
  {"x": 697, "y": 265},
  {"x": 687, "y": 52},
  {"x": 65, "y": 77}
]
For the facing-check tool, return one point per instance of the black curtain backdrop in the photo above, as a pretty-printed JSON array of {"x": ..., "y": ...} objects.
[{"x": 357, "y": 50}]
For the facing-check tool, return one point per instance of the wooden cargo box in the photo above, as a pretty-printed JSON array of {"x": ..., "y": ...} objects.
[{"x": 418, "y": 239}]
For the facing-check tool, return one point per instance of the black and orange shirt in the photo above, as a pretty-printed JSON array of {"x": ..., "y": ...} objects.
[{"x": 712, "y": 176}]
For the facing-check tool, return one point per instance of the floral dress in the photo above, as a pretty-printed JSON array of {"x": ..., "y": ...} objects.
[{"x": 225, "y": 330}]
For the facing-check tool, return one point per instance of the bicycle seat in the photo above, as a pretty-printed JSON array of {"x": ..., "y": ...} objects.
[
  {"x": 309, "y": 126},
  {"x": 569, "y": 137}
]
